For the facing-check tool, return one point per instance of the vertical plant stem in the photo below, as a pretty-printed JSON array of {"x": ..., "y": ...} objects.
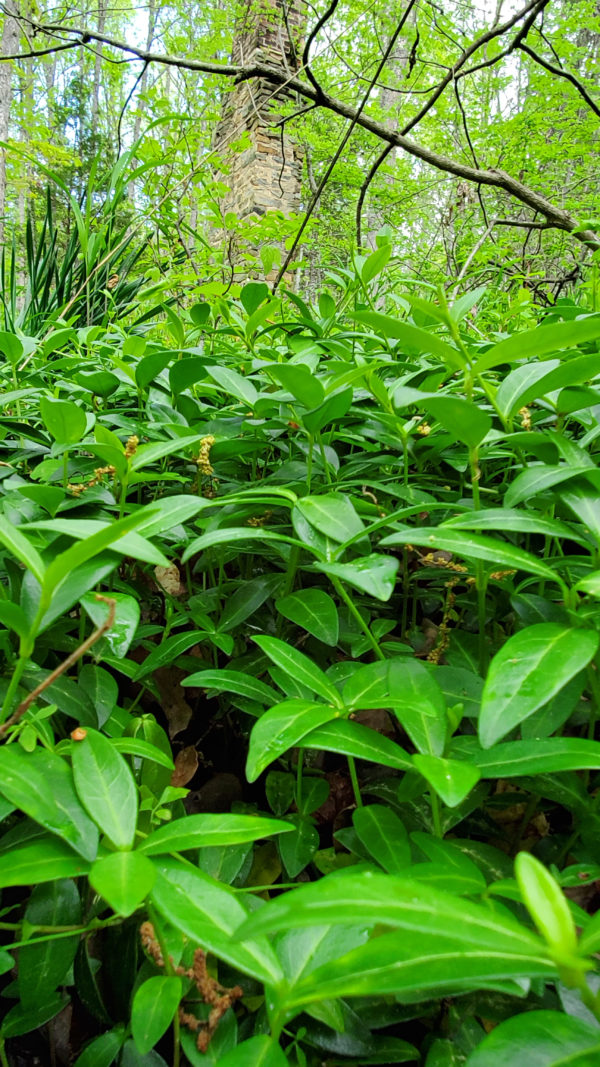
[
  {"x": 299, "y": 768},
  {"x": 354, "y": 779},
  {"x": 436, "y": 813},
  {"x": 352, "y": 608}
]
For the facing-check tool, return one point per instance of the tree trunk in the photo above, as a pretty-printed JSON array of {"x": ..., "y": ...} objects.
[{"x": 8, "y": 46}]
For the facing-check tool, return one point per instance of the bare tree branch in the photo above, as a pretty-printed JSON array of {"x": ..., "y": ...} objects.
[
  {"x": 556, "y": 217},
  {"x": 561, "y": 73}
]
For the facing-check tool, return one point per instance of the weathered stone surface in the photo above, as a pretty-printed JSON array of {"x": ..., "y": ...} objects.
[{"x": 266, "y": 175}]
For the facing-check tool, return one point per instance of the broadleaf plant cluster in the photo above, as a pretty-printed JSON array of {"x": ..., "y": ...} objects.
[{"x": 299, "y": 612}]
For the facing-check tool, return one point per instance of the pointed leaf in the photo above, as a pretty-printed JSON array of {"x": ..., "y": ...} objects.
[
  {"x": 124, "y": 879},
  {"x": 153, "y": 1008},
  {"x": 313, "y": 610},
  {"x": 528, "y": 671},
  {"x": 374, "y": 574},
  {"x": 106, "y": 787},
  {"x": 451, "y": 779},
  {"x": 281, "y": 728},
  {"x": 197, "y": 831},
  {"x": 299, "y": 667}
]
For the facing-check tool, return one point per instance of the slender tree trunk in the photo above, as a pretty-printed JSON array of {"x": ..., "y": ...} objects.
[
  {"x": 98, "y": 67},
  {"x": 8, "y": 46}
]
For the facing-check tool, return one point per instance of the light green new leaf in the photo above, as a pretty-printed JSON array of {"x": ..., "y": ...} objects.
[
  {"x": 154, "y": 1005},
  {"x": 547, "y": 905},
  {"x": 65, "y": 563},
  {"x": 134, "y": 746},
  {"x": 40, "y": 783},
  {"x": 106, "y": 787},
  {"x": 528, "y": 671},
  {"x": 281, "y": 728},
  {"x": 229, "y": 535},
  {"x": 197, "y": 831},
  {"x": 313, "y": 610},
  {"x": 350, "y": 738},
  {"x": 124, "y": 879},
  {"x": 300, "y": 668},
  {"x": 540, "y": 1039},
  {"x": 451, "y": 779},
  {"x": 130, "y": 544},
  {"x": 374, "y": 574}
]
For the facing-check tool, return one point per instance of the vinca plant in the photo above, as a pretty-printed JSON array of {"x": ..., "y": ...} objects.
[{"x": 300, "y": 628}]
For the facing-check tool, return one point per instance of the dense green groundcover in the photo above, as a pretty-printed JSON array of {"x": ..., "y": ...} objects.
[{"x": 339, "y": 566}]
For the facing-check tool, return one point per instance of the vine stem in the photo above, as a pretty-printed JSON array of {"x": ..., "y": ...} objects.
[
  {"x": 354, "y": 780},
  {"x": 352, "y": 608}
]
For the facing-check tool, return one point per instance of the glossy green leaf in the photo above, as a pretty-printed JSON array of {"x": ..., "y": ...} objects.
[
  {"x": 539, "y": 342},
  {"x": 42, "y": 967},
  {"x": 281, "y": 728},
  {"x": 64, "y": 420},
  {"x": 154, "y": 1005},
  {"x": 528, "y": 671},
  {"x": 63, "y": 565},
  {"x": 473, "y": 546},
  {"x": 22, "y": 1019},
  {"x": 103, "y": 1050},
  {"x": 313, "y": 610},
  {"x": 40, "y": 783},
  {"x": 197, "y": 831},
  {"x": 226, "y": 681},
  {"x": 410, "y": 690},
  {"x": 413, "y": 337},
  {"x": 384, "y": 836},
  {"x": 537, "y": 479},
  {"x": 44, "y": 861},
  {"x": 547, "y": 905},
  {"x": 299, "y": 667},
  {"x": 298, "y": 381},
  {"x": 106, "y": 787},
  {"x": 451, "y": 779},
  {"x": 235, "y": 384},
  {"x": 246, "y": 600},
  {"x": 147, "y": 454},
  {"x": 374, "y": 574},
  {"x": 541, "y": 1039},
  {"x": 352, "y": 739},
  {"x": 209, "y": 913},
  {"x": 332, "y": 514},
  {"x": 126, "y": 622},
  {"x": 136, "y": 746},
  {"x": 258, "y": 1051},
  {"x": 20, "y": 547},
  {"x": 548, "y": 755},
  {"x": 334, "y": 407},
  {"x": 298, "y": 848},
  {"x": 129, "y": 544},
  {"x": 124, "y": 879},
  {"x": 462, "y": 418}
]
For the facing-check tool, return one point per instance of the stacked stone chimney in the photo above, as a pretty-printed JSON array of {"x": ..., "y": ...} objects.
[{"x": 266, "y": 175}]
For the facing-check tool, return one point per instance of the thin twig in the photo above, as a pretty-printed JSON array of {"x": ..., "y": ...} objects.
[{"x": 66, "y": 664}]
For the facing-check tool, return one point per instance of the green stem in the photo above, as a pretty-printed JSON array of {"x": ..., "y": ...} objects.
[
  {"x": 12, "y": 687},
  {"x": 436, "y": 813},
  {"x": 3, "y": 1058},
  {"x": 169, "y": 969},
  {"x": 352, "y": 608},
  {"x": 299, "y": 767},
  {"x": 354, "y": 780}
]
